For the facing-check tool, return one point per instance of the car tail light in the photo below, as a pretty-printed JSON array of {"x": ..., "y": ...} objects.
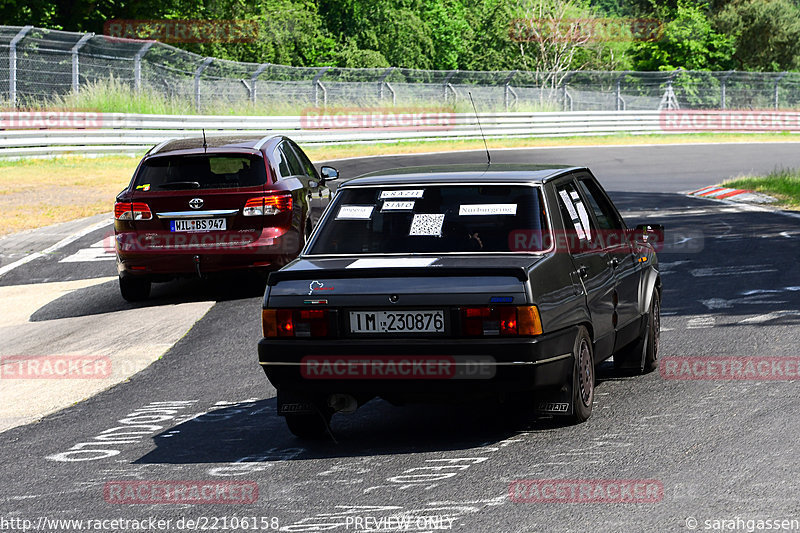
[
  {"x": 294, "y": 322},
  {"x": 501, "y": 321},
  {"x": 268, "y": 205},
  {"x": 132, "y": 211}
]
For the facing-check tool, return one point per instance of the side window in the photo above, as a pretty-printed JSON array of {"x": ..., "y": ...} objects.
[
  {"x": 604, "y": 212},
  {"x": 294, "y": 164},
  {"x": 308, "y": 168},
  {"x": 283, "y": 163},
  {"x": 574, "y": 212}
]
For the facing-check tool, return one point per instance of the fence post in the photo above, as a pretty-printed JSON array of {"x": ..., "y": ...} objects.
[
  {"x": 446, "y": 84},
  {"x": 777, "y": 81},
  {"x": 507, "y": 90},
  {"x": 620, "y": 103},
  {"x": 318, "y": 85},
  {"x": 74, "y": 51},
  {"x": 204, "y": 65},
  {"x": 381, "y": 83},
  {"x": 12, "y": 64},
  {"x": 137, "y": 65},
  {"x": 723, "y": 88},
  {"x": 565, "y": 95},
  {"x": 253, "y": 80}
]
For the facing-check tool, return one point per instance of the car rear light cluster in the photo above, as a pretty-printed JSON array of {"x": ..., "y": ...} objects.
[
  {"x": 132, "y": 211},
  {"x": 501, "y": 321},
  {"x": 294, "y": 322},
  {"x": 268, "y": 205}
]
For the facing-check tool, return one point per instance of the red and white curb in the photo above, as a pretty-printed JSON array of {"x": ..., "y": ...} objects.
[{"x": 715, "y": 192}]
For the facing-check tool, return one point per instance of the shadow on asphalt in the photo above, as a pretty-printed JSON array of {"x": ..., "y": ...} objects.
[
  {"x": 253, "y": 432},
  {"x": 106, "y": 298}
]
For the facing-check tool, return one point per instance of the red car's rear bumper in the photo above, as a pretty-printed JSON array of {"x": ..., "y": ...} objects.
[{"x": 142, "y": 254}]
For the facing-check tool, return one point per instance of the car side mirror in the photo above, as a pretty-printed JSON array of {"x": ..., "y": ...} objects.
[
  {"x": 328, "y": 173},
  {"x": 649, "y": 233}
]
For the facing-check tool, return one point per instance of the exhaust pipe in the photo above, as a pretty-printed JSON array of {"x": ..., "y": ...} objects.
[{"x": 342, "y": 403}]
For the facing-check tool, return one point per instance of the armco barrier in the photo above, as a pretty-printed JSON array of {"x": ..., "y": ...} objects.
[{"x": 32, "y": 135}]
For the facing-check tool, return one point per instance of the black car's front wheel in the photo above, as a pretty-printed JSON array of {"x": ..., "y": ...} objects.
[
  {"x": 134, "y": 289},
  {"x": 582, "y": 377},
  {"x": 642, "y": 355}
]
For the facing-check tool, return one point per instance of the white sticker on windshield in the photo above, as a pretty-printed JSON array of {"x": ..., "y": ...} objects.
[
  {"x": 355, "y": 212},
  {"x": 426, "y": 225},
  {"x": 408, "y": 193},
  {"x": 488, "y": 209},
  {"x": 584, "y": 219},
  {"x": 400, "y": 262},
  {"x": 394, "y": 205}
]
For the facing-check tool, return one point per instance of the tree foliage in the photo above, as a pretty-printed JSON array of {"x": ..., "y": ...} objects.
[{"x": 761, "y": 35}]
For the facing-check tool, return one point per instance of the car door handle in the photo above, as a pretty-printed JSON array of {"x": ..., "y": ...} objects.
[
  {"x": 582, "y": 271},
  {"x": 614, "y": 262}
]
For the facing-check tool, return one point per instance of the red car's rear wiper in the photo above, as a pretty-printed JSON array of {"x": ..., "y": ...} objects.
[{"x": 180, "y": 185}]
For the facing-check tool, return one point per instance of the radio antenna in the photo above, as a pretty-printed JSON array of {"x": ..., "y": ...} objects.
[
  {"x": 205, "y": 144},
  {"x": 488, "y": 155}
]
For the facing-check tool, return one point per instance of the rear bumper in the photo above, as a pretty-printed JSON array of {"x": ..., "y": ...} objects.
[
  {"x": 466, "y": 365},
  {"x": 142, "y": 254}
]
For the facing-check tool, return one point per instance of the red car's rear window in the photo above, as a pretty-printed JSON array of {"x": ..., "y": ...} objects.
[{"x": 217, "y": 171}]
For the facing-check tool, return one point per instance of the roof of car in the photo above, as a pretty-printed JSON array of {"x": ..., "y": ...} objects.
[
  {"x": 216, "y": 143},
  {"x": 501, "y": 173}
]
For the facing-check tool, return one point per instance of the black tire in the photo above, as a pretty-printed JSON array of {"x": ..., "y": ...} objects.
[
  {"x": 308, "y": 426},
  {"x": 641, "y": 356},
  {"x": 134, "y": 289},
  {"x": 583, "y": 375},
  {"x": 653, "y": 335}
]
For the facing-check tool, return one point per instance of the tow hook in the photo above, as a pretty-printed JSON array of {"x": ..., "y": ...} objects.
[{"x": 196, "y": 260}]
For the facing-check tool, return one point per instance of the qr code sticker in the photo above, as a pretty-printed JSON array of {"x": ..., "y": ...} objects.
[{"x": 427, "y": 225}]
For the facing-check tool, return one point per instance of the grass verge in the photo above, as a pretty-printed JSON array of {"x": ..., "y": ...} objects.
[
  {"x": 39, "y": 192},
  {"x": 783, "y": 184}
]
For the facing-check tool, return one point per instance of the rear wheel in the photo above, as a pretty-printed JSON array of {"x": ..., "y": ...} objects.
[
  {"x": 134, "y": 289},
  {"x": 582, "y": 377},
  {"x": 308, "y": 426}
]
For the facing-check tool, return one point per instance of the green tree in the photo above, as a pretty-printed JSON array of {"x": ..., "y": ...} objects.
[
  {"x": 688, "y": 41},
  {"x": 766, "y": 33}
]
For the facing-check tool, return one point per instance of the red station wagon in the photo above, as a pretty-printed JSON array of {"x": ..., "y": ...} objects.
[{"x": 199, "y": 206}]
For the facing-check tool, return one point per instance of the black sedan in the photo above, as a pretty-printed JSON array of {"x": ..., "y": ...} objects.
[{"x": 468, "y": 283}]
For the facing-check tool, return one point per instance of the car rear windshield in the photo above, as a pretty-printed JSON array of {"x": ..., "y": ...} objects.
[
  {"x": 432, "y": 219},
  {"x": 201, "y": 172}
]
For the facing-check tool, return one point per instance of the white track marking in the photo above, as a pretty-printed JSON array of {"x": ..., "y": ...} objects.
[
  {"x": 99, "y": 251},
  {"x": 60, "y": 244},
  {"x": 701, "y": 322},
  {"x": 761, "y": 319},
  {"x": 731, "y": 270}
]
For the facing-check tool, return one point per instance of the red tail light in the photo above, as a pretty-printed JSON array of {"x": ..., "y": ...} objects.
[
  {"x": 501, "y": 321},
  {"x": 294, "y": 322},
  {"x": 132, "y": 211},
  {"x": 268, "y": 205}
]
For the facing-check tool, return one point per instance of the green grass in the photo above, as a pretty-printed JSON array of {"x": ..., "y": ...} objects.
[{"x": 783, "y": 184}]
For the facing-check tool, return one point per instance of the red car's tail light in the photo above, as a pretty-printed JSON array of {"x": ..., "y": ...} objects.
[
  {"x": 501, "y": 320},
  {"x": 294, "y": 322},
  {"x": 268, "y": 205},
  {"x": 132, "y": 211}
]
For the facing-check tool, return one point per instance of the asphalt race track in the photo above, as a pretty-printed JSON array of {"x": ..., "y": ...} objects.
[{"x": 721, "y": 450}]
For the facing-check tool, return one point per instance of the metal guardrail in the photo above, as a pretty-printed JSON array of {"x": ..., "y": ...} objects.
[{"x": 118, "y": 133}]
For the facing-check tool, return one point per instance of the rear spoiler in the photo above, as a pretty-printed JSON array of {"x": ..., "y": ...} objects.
[{"x": 521, "y": 273}]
